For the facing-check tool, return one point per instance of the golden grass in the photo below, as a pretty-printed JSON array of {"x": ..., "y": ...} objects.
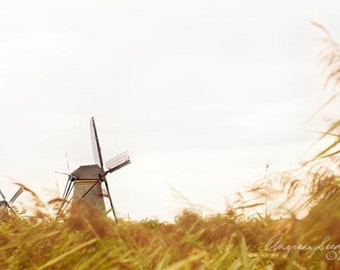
[{"x": 87, "y": 240}]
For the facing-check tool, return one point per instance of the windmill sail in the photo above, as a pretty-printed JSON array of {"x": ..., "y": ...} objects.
[
  {"x": 118, "y": 162},
  {"x": 95, "y": 144},
  {"x": 110, "y": 199},
  {"x": 2, "y": 195},
  {"x": 16, "y": 195},
  {"x": 7, "y": 205}
]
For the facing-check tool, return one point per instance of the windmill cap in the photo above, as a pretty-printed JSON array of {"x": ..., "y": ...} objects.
[{"x": 88, "y": 172}]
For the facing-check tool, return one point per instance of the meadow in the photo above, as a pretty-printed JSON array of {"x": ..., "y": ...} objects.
[{"x": 230, "y": 240}]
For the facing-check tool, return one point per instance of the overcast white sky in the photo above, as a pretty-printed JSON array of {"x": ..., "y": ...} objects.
[{"x": 201, "y": 93}]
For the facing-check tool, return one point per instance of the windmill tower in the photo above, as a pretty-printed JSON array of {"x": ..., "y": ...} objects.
[
  {"x": 86, "y": 181},
  {"x": 6, "y": 206}
]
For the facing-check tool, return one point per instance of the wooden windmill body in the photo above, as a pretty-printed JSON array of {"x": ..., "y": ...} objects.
[
  {"x": 86, "y": 181},
  {"x": 87, "y": 187}
]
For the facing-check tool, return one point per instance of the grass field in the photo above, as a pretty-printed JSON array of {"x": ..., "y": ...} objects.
[{"x": 86, "y": 240}]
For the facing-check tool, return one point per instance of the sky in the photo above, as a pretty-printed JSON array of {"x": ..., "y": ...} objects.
[{"x": 203, "y": 94}]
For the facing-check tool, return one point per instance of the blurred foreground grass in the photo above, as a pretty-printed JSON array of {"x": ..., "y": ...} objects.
[{"x": 226, "y": 241}]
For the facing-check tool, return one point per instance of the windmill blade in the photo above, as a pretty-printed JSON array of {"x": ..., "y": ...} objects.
[
  {"x": 16, "y": 195},
  {"x": 68, "y": 189},
  {"x": 110, "y": 199},
  {"x": 118, "y": 162},
  {"x": 7, "y": 204},
  {"x": 67, "y": 163},
  {"x": 66, "y": 193},
  {"x": 95, "y": 144},
  {"x": 2, "y": 195},
  {"x": 10, "y": 208},
  {"x": 64, "y": 173},
  {"x": 5, "y": 208}
]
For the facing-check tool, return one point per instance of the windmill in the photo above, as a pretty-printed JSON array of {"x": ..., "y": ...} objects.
[
  {"x": 6, "y": 206},
  {"x": 86, "y": 182}
]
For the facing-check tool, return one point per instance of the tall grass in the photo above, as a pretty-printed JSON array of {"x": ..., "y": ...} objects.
[{"x": 226, "y": 241}]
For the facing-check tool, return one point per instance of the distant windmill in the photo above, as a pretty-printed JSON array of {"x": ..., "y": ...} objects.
[
  {"x": 6, "y": 206},
  {"x": 86, "y": 181}
]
